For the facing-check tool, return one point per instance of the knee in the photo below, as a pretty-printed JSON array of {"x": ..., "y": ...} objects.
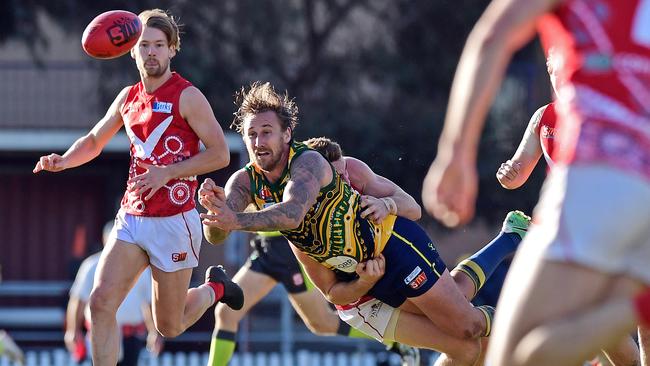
[
  {"x": 322, "y": 326},
  {"x": 101, "y": 303},
  {"x": 227, "y": 318},
  {"x": 469, "y": 329},
  {"x": 468, "y": 355},
  {"x": 169, "y": 328},
  {"x": 536, "y": 348}
]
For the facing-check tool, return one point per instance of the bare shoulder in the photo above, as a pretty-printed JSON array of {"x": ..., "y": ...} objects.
[
  {"x": 120, "y": 99},
  {"x": 537, "y": 116},
  {"x": 239, "y": 180},
  {"x": 310, "y": 161},
  {"x": 356, "y": 166},
  {"x": 192, "y": 96},
  {"x": 311, "y": 164},
  {"x": 358, "y": 171}
]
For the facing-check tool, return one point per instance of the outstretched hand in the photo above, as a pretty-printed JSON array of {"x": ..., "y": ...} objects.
[
  {"x": 449, "y": 191},
  {"x": 507, "y": 173},
  {"x": 210, "y": 194},
  {"x": 50, "y": 163},
  {"x": 213, "y": 198}
]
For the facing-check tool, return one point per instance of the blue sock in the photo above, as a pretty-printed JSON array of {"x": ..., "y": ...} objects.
[{"x": 482, "y": 264}]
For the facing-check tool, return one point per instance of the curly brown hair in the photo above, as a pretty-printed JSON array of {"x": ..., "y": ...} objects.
[
  {"x": 331, "y": 150},
  {"x": 262, "y": 97}
]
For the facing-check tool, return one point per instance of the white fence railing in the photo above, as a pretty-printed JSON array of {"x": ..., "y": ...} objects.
[{"x": 59, "y": 357}]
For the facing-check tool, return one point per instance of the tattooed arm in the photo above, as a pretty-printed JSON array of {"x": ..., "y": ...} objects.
[
  {"x": 236, "y": 196},
  {"x": 309, "y": 172}
]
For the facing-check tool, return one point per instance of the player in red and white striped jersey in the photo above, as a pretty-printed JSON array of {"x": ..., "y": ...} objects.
[{"x": 584, "y": 263}]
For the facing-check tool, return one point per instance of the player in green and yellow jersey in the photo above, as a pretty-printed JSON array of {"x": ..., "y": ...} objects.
[{"x": 272, "y": 262}]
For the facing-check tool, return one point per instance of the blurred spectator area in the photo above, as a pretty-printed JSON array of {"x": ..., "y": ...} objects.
[{"x": 56, "y": 94}]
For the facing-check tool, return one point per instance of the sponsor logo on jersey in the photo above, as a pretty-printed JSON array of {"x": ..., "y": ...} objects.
[
  {"x": 179, "y": 257},
  {"x": 265, "y": 194},
  {"x": 548, "y": 132},
  {"x": 412, "y": 275},
  {"x": 162, "y": 107},
  {"x": 343, "y": 263},
  {"x": 418, "y": 281}
]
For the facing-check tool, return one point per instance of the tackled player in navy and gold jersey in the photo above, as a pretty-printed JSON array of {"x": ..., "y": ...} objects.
[{"x": 388, "y": 273}]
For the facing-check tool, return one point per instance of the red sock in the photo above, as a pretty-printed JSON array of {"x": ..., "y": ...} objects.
[
  {"x": 218, "y": 288},
  {"x": 642, "y": 305}
]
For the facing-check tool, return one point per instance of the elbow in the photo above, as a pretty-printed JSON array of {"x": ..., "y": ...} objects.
[
  {"x": 293, "y": 223},
  {"x": 219, "y": 156},
  {"x": 225, "y": 161},
  {"x": 337, "y": 301},
  {"x": 292, "y": 216},
  {"x": 338, "y": 297},
  {"x": 90, "y": 143},
  {"x": 287, "y": 224},
  {"x": 222, "y": 160}
]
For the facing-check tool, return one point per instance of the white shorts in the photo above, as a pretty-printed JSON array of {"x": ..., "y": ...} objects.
[
  {"x": 597, "y": 216},
  {"x": 172, "y": 243},
  {"x": 370, "y": 317}
]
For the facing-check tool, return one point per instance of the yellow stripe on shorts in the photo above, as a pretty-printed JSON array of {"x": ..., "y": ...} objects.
[{"x": 432, "y": 265}]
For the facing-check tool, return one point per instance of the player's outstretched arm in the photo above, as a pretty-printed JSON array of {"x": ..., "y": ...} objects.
[
  {"x": 515, "y": 172},
  {"x": 450, "y": 188},
  {"x": 235, "y": 197},
  {"x": 380, "y": 195},
  {"x": 87, "y": 148},
  {"x": 309, "y": 172}
]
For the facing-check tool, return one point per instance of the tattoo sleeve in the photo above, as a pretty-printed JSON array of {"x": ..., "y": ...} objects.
[
  {"x": 238, "y": 196},
  {"x": 307, "y": 172},
  {"x": 238, "y": 191}
]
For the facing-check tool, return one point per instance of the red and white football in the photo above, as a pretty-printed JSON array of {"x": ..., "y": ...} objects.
[{"x": 111, "y": 34}]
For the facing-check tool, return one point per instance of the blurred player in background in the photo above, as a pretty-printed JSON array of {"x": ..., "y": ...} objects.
[
  {"x": 9, "y": 349},
  {"x": 539, "y": 140},
  {"x": 134, "y": 318},
  {"x": 584, "y": 263},
  {"x": 166, "y": 118}
]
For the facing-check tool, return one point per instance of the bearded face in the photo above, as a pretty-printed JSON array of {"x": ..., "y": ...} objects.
[{"x": 266, "y": 140}]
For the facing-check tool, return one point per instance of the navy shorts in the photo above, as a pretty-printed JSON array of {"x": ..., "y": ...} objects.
[
  {"x": 413, "y": 264},
  {"x": 273, "y": 257}
]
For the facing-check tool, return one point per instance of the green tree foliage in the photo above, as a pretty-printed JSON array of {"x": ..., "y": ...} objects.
[{"x": 372, "y": 74}]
